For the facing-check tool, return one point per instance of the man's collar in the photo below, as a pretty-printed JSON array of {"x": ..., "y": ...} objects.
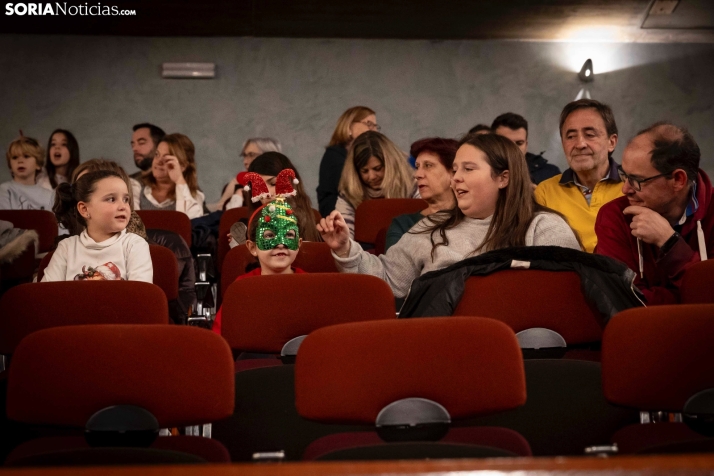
[
  {"x": 692, "y": 204},
  {"x": 612, "y": 174}
]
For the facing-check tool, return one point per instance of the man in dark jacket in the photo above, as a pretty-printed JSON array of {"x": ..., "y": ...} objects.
[
  {"x": 665, "y": 222},
  {"x": 515, "y": 127}
]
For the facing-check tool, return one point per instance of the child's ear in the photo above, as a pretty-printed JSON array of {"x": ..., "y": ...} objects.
[
  {"x": 82, "y": 209},
  {"x": 299, "y": 243},
  {"x": 252, "y": 247}
]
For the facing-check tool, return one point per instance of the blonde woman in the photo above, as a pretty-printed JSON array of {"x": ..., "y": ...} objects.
[
  {"x": 171, "y": 183},
  {"x": 351, "y": 124},
  {"x": 375, "y": 168}
]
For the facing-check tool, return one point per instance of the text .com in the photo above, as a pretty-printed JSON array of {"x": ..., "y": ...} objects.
[{"x": 61, "y": 8}]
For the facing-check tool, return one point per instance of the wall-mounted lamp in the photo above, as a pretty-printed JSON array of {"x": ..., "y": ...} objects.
[
  {"x": 188, "y": 70},
  {"x": 586, "y": 73}
]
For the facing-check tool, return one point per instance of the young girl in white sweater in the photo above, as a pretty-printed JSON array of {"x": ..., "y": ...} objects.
[{"x": 99, "y": 203}]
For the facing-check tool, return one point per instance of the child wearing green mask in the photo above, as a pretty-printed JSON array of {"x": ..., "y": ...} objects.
[{"x": 273, "y": 233}]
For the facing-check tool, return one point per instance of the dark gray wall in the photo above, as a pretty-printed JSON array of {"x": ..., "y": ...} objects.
[{"x": 294, "y": 90}]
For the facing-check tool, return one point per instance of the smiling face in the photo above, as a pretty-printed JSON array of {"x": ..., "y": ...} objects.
[
  {"x": 473, "y": 183},
  {"x": 59, "y": 153},
  {"x": 23, "y": 167},
  {"x": 372, "y": 173},
  {"x": 277, "y": 238},
  {"x": 432, "y": 178},
  {"x": 585, "y": 141},
  {"x": 107, "y": 212}
]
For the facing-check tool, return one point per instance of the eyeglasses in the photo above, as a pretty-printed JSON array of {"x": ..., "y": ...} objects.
[
  {"x": 637, "y": 183},
  {"x": 371, "y": 125},
  {"x": 249, "y": 155}
]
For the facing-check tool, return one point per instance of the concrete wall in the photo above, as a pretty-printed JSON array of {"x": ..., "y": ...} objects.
[{"x": 295, "y": 89}]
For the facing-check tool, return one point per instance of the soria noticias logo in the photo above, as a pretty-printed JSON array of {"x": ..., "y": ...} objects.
[{"x": 62, "y": 9}]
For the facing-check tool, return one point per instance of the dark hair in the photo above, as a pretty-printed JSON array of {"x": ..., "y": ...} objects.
[
  {"x": 73, "y": 148},
  {"x": 479, "y": 128},
  {"x": 603, "y": 109},
  {"x": 271, "y": 163},
  {"x": 445, "y": 149},
  {"x": 515, "y": 207},
  {"x": 511, "y": 120},
  {"x": 673, "y": 148},
  {"x": 157, "y": 133},
  {"x": 68, "y": 196}
]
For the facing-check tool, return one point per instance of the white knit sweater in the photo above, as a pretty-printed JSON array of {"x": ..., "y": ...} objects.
[
  {"x": 410, "y": 257},
  {"x": 125, "y": 254}
]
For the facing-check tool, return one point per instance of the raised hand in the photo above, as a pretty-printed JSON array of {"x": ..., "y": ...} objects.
[
  {"x": 174, "y": 169},
  {"x": 648, "y": 225},
  {"x": 335, "y": 233}
]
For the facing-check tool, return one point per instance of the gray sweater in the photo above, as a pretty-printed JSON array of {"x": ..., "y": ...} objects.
[
  {"x": 16, "y": 196},
  {"x": 410, "y": 257}
]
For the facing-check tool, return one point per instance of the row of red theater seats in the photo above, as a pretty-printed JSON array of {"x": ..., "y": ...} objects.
[
  {"x": 556, "y": 303},
  {"x": 352, "y": 376}
]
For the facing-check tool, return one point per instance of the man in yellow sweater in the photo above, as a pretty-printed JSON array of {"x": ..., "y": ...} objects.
[{"x": 589, "y": 136}]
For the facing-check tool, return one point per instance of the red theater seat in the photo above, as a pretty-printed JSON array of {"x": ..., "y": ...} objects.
[
  {"x": 655, "y": 359},
  {"x": 62, "y": 376},
  {"x": 170, "y": 220},
  {"x": 526, "y": 299},
  {"x": 262, "y": 313},
  {"x": 30, "y": 307},
  {"x": 698, "y": 284},
  {"x": 372, "y": 216},
  {"x": 313, "y": 257},
  {"x": 354, "y": 373}
]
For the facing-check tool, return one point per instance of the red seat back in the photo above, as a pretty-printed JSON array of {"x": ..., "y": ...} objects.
[
  {"x": 42, "y": 221},
  {"x": 262, "y": 313},
  {"x": 228, "y": 218},
  {"x": 313, "y": 257},
  {"x": 30, "y": 307},
  {"x": 171, "y": 220},
  {"x": 348, "y": 373},
  {"x": 373, "y": 215},
  {"x": 166, "y": 273},
  {"x": 698, "y": 284},
  {"x": 168, "y": 370},
  {"x": 525, "y": 298},
  {"x": 656, "y": 358}
]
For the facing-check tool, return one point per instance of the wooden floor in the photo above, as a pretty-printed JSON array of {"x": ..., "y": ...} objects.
[{"x": 619, "y": 466}]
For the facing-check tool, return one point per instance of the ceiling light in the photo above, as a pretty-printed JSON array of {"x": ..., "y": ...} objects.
[{"x": 586, "y": 73}]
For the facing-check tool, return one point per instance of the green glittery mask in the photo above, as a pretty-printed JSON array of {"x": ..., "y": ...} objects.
[{"x": 277, "y": 225}]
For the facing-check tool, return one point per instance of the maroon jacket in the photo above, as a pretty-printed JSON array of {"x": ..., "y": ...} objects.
[{"x": 662, "y": 274}]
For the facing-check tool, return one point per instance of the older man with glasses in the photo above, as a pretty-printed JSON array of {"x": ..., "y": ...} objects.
[{"x": 665, "y": 221}]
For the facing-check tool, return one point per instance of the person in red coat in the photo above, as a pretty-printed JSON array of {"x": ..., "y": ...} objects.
[{"x": 665, "y": 222}]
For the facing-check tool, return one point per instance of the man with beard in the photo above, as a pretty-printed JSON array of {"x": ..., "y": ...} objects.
[{"x": 144, "y": 140}]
